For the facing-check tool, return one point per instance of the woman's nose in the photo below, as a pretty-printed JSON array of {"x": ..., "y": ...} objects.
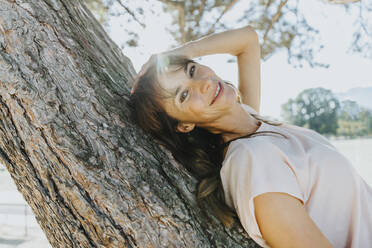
[{"x": 205, "y": 85}]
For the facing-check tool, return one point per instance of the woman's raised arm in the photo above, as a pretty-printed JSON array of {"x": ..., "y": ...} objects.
[{"x": 242, "y": 43}]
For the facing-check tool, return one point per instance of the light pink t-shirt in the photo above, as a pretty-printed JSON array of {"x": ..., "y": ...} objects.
[{"x": 306, "y": 166}]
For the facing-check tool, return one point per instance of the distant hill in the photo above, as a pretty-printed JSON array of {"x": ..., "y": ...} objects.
[{"x": 361, "y": 95}]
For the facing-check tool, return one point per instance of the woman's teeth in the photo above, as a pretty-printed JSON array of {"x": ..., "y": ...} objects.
[{"x": 217, "y": 90}]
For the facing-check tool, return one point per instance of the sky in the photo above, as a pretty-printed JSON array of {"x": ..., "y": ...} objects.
[{"x": 279, "y": 80}]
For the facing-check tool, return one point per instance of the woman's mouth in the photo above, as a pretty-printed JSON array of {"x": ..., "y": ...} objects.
[{"x": 218, "y": 92}]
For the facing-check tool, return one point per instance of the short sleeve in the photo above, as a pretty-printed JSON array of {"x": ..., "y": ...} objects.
[{"x": 253, "y": 167}]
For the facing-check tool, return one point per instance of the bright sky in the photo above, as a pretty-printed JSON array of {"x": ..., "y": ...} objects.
[{"x": 280, "y": 81}]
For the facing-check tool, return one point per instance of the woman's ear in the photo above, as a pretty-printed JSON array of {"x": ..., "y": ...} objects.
[{"x": 185, "y": 127}]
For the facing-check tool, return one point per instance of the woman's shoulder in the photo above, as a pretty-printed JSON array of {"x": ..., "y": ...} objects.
[{"x": 246, "y": 146}]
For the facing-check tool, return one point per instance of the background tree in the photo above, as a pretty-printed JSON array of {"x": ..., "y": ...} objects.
[
  {"x": 353, "y": 120},
  {"x": 349, "y": 110},
  {"x": 315, "y": 108},
  {"x": 91, "y": 177},
  {"x": 279, "y": 23},
  {"x": 366, "y": 117}
]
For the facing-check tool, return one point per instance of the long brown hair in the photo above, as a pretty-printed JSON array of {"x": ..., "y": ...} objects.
[{"x": 200, "y": 151}]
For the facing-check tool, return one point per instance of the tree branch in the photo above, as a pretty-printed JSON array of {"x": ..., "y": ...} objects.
[
  {"x": 200, "y": 14},
  {"x": 227, "y": 8},
  {"x": 361, "y": 19},
  {"x": 131, "y": 13},
  {"x": 175, "y": 4},
  {"x": 274, "y": 19}
]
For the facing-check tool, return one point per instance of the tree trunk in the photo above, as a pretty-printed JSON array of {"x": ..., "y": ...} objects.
[{"x": 91, "y": 177}]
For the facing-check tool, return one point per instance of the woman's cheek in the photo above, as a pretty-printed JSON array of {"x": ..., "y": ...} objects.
[{"x": 197, "y": 104}]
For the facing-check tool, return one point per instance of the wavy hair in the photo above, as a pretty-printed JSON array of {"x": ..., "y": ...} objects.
[{"x": 200, "y": 151}]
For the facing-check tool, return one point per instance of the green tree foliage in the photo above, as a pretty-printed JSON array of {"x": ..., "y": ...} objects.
[
  {"x": 320, "y": 110},
  {"x": 315, "y": 108},
  {"x": 279, "y": 23},
  {"x": 99, "y": 8},
  {"x": 353, "y": 120},
  {"x": 366, "y": 117},
  {"x": 350, "y": 111}
]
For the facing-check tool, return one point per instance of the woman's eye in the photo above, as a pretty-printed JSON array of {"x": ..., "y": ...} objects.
[
  {"x": 184, "y": 95},
  {"x": 192, "y": 70}
]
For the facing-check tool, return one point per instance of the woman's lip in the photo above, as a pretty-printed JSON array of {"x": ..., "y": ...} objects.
[{"x": 219, "y": 93}]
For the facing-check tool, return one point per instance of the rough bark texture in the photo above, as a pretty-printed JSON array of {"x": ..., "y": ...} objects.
[{"x": 92, "y": 178}]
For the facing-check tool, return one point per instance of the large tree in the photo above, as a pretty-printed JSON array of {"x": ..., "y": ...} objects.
[{"x": 91, "y": 177}]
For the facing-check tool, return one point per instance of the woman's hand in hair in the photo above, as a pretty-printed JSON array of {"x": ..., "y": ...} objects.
[{"x": 185, "y": 50}]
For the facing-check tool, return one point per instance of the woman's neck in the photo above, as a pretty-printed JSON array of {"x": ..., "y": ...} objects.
[{"x": 236, "y": 124}]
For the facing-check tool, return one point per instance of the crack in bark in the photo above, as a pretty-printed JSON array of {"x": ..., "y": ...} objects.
[
  {"x": 60, "y": 40},
  {"x": 83, "y": 192},
  {"x": 6, "y": 159},
  {"x": 31, "y": 167},
  {"x": 68, "y": 208},
  {"x": 22, "y": 149},
  {"x": 184, "y": 204},
  {"x": 72, "y": 124}
]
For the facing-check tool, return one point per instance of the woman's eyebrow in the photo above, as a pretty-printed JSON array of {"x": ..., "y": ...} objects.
[
  {"x": 177, "y": 90},
  {"x": 185, "y": 70},
  {"x": 186, "y": 66}
]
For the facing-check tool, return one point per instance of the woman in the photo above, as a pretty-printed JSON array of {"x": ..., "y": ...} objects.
[{"x": 288, "y": 185}]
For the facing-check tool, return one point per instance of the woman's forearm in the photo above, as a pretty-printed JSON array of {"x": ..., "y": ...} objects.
[{"x": 231, "y": 42}]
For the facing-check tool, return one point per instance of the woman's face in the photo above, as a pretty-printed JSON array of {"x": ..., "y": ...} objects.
[{"x": 197, "y": 94}]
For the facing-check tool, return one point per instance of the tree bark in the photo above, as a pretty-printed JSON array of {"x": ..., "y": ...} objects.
[{"x": 90, "y": 175}]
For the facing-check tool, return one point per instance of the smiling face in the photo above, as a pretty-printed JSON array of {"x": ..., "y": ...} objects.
[{"x": 196, "y": 95}]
